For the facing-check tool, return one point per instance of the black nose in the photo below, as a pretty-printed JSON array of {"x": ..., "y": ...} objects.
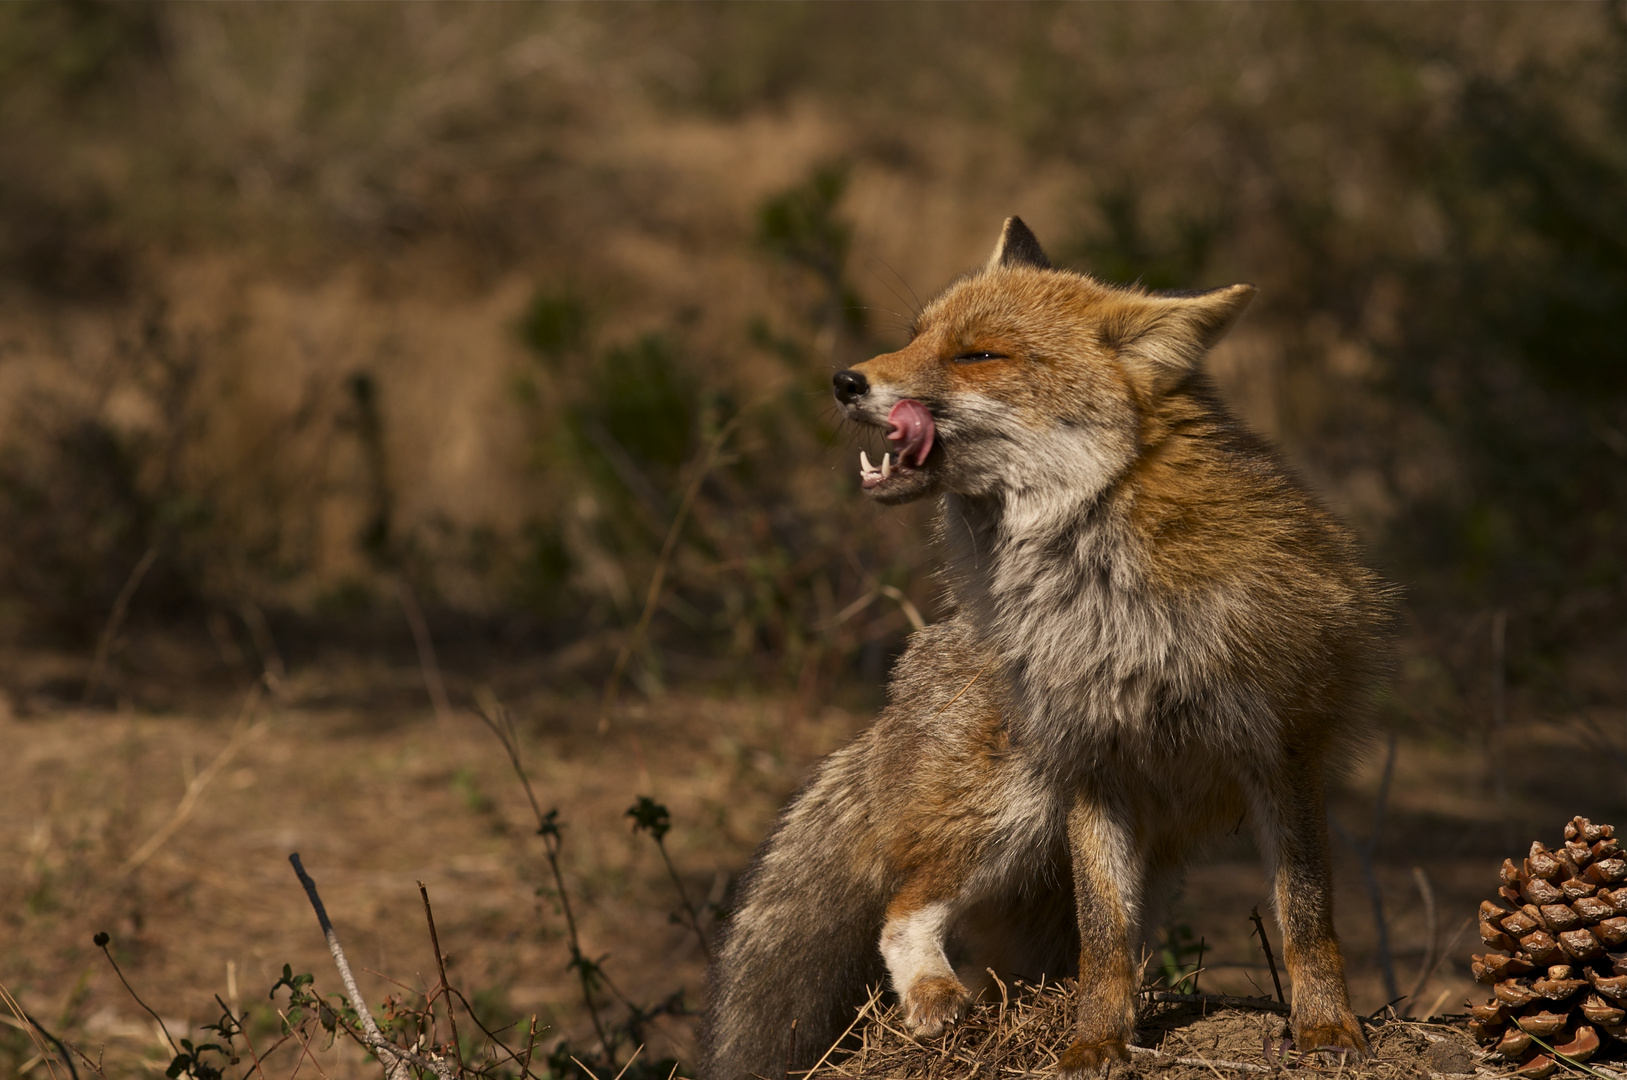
[{"x": 850, "y": 386}]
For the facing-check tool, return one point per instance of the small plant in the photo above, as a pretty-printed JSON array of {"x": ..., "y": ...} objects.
[
  {"x": 651, "y": 817},
  {"x": 1181, "y": 958}
]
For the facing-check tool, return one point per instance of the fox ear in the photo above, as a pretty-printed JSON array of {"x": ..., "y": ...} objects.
[
  {"x": 1171, "y": 333},
  {"x": 1017, "y": 246},
  {"x": 1211, "y": 315}
]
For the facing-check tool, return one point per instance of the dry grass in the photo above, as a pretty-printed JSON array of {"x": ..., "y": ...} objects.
[{"x": 1025, "y": 1034}]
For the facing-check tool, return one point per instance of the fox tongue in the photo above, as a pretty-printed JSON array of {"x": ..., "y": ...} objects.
[{"x": 912, "y": 430}]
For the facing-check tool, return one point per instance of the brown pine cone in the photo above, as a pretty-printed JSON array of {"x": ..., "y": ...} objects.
[{"x": 1560, "y": 975}]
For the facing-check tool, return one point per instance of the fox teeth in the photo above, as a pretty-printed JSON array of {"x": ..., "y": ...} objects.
[
  {"x": 864, "y": 463},
  {"x": 886, "y": 466}
]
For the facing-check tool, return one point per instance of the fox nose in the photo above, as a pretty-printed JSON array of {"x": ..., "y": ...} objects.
[{"x": 850, "y": 386}]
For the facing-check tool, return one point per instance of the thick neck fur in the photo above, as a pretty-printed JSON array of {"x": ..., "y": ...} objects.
[{"x": 1105, "y": 660}]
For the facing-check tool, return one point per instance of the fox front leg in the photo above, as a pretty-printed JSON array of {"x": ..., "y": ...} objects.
[
  {"x": 1107, "y": 878},
  {"x": 912, "y": 945}
]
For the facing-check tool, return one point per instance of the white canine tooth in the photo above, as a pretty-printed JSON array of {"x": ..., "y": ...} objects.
[
  {"x": 864, "y": 463},
  {"x": 886, "y": 466}
]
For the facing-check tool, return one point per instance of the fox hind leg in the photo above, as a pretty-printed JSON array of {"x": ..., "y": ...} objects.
[{"x": 1294, "y": 834}]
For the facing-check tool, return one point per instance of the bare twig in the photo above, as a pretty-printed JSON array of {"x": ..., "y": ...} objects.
[
  {"x": 1572, "y": 1062},
  {"x": 497, "y": 717},
  {"x": 892, "y": 592},
  {"x": 115, "y": 618},
  {"x": 530, "y": 1045},
  {"x": 1211, "y": 1066},
  {"x": 524, "y": 1061},
  {"x": 445, "y": 988},
  {"x": 502, "y": 725},
  {"x": 426, "y": 653},
  {"x": 101, "y": 939},
  {"x": 271, "y": 665},
  {"x": 875, "y": 996},
  {"x": 393, "y": 1057},
  {"x": 1365, "y": 853},
  {"x": 1499, "y": 720},
  {"x": 242, "y": 734},
  {"x": 658, "y": 578},
  {"x": 1432, "y": 935},
  {"x": 1228, "y": 1000},
  {"x": 1265, "y": 945},
  {"x": 630, "y": 1061},
  {"x": 36, "y": 1031}
]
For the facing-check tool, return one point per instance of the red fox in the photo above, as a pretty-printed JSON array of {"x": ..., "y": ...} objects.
[{"x": 1155, "y": 633}]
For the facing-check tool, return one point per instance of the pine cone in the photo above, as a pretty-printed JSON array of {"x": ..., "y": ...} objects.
[{"x": 1561, "y": 923}]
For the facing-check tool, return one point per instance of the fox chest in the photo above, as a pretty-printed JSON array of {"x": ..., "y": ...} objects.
[{"x": 1095, "y": 663}]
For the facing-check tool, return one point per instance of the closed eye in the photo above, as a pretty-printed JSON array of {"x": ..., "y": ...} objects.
[{"x": 979, "y": 357}]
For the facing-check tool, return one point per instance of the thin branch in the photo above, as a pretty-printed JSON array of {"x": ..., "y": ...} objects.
[
  {"x": 426, "y": 653},
  {"x": 271, "y": 665},
  {"x": 1365, "y": 853},
  {"x": 1228, "y": 1000},
  {"x": 658, "y": 579},
  {"x": 242, "y": 734},
  {"x": 501, "y": 724},
  {"x": 683, "y": 898},
  {"x": 1432, "y": 934},
  {"x": 1498, "y": 737},
  {"x": 115, "y": 618},
  {"x": 911, "y": 612},
  {"x": 524, "y": 1061},
  {"x": 445, "y": 988},
  {"x": 1265, "y": 944},
  {"x": 395, "y": 1066},
  {"x": 35, "y": 1030},
  {"x": 101, "y": 939},
  {"x": 875, "y": 996}
]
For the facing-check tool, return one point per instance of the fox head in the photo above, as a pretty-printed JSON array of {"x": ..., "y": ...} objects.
[{"x": 1022, "y": 377}]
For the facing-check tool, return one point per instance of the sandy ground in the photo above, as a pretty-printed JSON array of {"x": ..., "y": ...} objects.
[{"x": 99, "y": 833}]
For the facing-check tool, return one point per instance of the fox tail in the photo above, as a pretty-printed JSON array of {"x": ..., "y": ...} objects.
[{"x": 800, "y": 952}]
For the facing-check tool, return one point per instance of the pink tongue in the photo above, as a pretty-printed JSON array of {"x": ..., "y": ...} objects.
[{"x": 912, "y": 430}]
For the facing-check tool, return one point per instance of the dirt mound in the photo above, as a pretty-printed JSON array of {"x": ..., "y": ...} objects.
[{"x": 1204, "y": 1037}]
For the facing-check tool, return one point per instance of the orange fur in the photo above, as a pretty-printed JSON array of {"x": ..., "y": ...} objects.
[{"x": 1155, "y": 630}]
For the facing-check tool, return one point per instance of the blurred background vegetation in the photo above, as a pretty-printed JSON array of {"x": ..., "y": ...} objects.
[
  {"x": 298, "y": 303},
  {"x": 316, "y": 316}
]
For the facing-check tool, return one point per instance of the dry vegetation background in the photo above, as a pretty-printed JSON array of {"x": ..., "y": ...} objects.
[{"x": 311, "y": 316}]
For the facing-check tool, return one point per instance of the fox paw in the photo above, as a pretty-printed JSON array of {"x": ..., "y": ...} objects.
[
  {"x": 1084, "y": 1059},
  {"x": 933, "y": 1003},
  {"x": 1339, "y": 1037}
]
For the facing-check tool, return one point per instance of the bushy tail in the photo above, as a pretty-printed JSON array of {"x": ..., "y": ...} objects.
[{"x": 802, "y": 944}]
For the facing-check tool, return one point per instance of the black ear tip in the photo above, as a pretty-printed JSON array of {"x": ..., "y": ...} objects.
[{"x": 1019, "y": 246}]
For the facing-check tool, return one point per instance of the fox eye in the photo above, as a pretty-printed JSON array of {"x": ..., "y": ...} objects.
[{"x": 978, "y": 357}]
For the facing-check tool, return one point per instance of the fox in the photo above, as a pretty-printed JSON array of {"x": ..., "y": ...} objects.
[{"x": 1153, "y": 632}]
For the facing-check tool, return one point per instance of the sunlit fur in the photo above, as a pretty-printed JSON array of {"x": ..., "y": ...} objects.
[{"x": 1156, "y": 633}]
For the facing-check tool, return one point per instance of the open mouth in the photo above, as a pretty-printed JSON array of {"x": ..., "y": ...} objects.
[{"x": 913, "y": 431}]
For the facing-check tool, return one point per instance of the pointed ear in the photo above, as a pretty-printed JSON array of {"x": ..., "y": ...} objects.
[
  {"x": 1170, "y": 334},
  {"x": 1017, "y": 247}
]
